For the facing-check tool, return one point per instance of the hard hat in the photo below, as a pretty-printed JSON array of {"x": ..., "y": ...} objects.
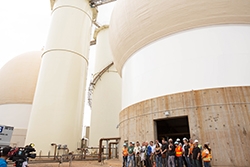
[
  {"x": 185, "y": 139},
  {"x": 32, "y": 144}
]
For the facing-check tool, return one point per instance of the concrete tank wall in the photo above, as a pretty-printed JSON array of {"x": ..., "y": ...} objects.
[
  {"x": 200, "y": 58},
  {"x": 220, "y": 116}
]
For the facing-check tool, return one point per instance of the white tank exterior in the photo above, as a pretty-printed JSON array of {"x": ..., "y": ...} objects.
[
  {"x": 106, "y": 101},
  {"x": 185, "y": 60},
  {"x": 18, "y": 79},
  {"x": 208, "y": 57},
  {"x": 57, "y": 109}
]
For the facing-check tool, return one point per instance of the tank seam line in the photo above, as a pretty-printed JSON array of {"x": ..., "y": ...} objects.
[
  {"x": 72, "y": 7},
  {"x": 67, "y": 50}
]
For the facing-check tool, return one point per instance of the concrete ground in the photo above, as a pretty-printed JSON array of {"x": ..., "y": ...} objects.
[{"x": 107, "y": 163}]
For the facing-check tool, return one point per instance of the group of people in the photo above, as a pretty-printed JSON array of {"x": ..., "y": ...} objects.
[
  {"x": 14, "y": 154},
  {"x": 166, "y": 154}
]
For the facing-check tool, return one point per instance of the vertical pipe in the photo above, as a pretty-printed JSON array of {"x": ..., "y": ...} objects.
[{"x": 107, "y": 148}]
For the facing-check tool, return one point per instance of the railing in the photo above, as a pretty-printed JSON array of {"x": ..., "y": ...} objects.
[
  {"x": 95, "y": 3},
  {"x": 81, "y": 154}
]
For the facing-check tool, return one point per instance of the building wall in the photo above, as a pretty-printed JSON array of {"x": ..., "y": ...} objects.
[
  {"x": 17, "y": 116},
  {"x": 220, "y": 116},
  {"x": 18, "y": 138}
]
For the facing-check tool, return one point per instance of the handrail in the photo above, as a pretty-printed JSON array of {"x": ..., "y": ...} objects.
[{"x": 95, "y": 80}]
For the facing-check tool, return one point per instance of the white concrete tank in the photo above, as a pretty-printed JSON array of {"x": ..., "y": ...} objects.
[
  {"x": 190, "y": 59},
  {"x": 18, "y": 79},
  {"x": 106, "y": 98},
  {"x": 57, "y": 109}
]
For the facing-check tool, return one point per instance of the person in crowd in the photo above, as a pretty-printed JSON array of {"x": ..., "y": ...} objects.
[
  {"x": 157, "y": 141},
  {"x": 186, "y": 154},
  {"x": 4, "y": 156},
  {"x": 164, "y": 152},
  {"x": 210, "y": 153},
  {"x": 171, "y": 153},
  {"x": 130, "y": 155},
  {"x": 178, "y": 154},
  {"x": 137, "y": 151},
  {"x": 167, "y": 154},
  {"x": 196, "y": 154},
  {"x": 191, "y": 145},
  {"x": 143, "y": 155},
  {"x": 178, "y": 140},
  {"x": 153, "y": 153},
  {"x": 149, "y": 152},
  {"x": 25, "y": 164},
  {"x": 183, "y": 158},
  {"x": 133, "y": 143},
  {"x": 206, "y": 155},
  {"x": 200, "y": 160},
  {"x": 124, "y": 154},
  {"x": 158, "y": 155}
]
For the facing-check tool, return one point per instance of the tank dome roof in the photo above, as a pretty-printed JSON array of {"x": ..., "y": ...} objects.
[
  {"x": 135, "y": 24},
  {"x": 18, "y": 78}
]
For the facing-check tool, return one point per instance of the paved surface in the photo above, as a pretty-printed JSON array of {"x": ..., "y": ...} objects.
[{"x": 107, "y": 163}]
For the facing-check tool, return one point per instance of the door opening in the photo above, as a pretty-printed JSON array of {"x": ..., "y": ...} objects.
[{"x": 174, "y": 128}]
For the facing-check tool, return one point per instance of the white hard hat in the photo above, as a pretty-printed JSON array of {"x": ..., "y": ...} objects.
[
  {"x": 196, "y": 141},
  {"x": 185, "y": 139}
]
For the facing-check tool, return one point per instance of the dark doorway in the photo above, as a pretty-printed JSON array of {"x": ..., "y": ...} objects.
[{"x": 174, "y": 128}]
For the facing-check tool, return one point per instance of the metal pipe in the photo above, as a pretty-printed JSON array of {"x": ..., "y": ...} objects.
[
  {"x": 107, "y": 149},
  {"x": 55, "y": 145},
  {"x": 100, "y": 146},
  {"x": 110, "y": 143}
]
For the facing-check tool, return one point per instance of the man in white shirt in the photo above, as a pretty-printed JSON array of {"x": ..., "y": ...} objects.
[{"x": 137, "y": 151}]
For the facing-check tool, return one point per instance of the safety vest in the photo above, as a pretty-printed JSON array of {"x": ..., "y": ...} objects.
[
  {"x": 125, "y": 152},
  {"x": 191, "y": 148},
  {"x": 205, "y": 155},
  {"x": 178, "y": 151}
]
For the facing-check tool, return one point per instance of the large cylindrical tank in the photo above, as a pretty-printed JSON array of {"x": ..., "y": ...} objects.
[
  {"x": 185, "y": 60},
  {"x": 106, "y": 98},
  {"x": 57, "y": 109},
  {"x": 18, "y": 79}
]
